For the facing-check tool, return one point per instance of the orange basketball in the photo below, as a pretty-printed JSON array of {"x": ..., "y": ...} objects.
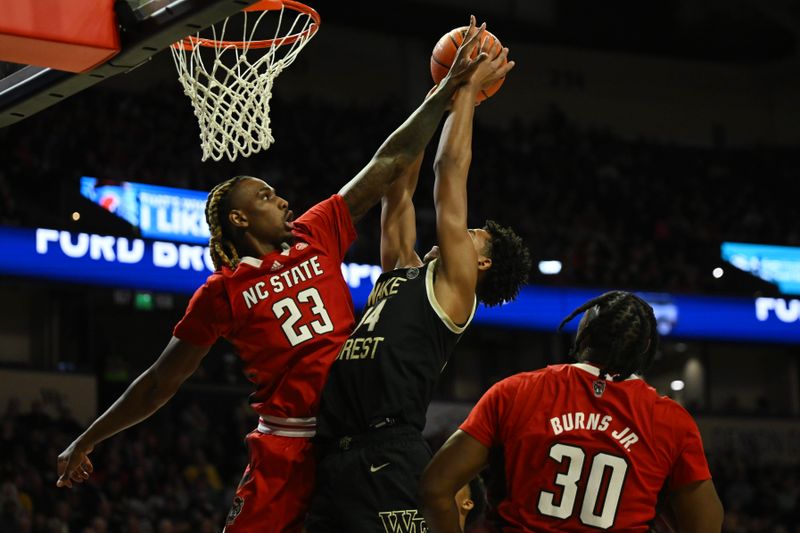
[{"x": 445, "y": 51}]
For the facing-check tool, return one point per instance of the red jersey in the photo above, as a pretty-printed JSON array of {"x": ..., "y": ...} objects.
[
  {"x": 287, "y": 313},
  {"x": 582, "y": 453}
]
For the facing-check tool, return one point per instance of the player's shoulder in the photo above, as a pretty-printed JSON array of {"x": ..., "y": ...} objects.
[
  {"x": 531, "y": 381},
  {"x": 542, "y": 374},
  {"x": 210, "y": 300},
  {"x": 556, "y": 373},
  {"x": 227, "y": 281},
  {"x": 561, "y": 370},
  {"x": 216, "y": 281},
  {"x": 321, "y": 218},
  {"x": 671, "y": 419},
  {"x": 524, "y": 380},
  {"x": 328, "y": 206},
  {"x": 667, "y": 407}
]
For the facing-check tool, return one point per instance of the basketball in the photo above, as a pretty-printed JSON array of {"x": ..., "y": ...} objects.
[{"x": 445, "y": 51}]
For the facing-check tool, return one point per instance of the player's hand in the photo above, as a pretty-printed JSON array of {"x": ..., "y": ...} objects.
[
  {"x": 464, "y": 65},
  {"x": 74, "y": 464},
  {"x": 490, "y": 71}
]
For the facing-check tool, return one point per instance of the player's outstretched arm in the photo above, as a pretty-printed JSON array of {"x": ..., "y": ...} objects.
[
  {"x": 697, "y": 508},
  {"x": 457, "y": 462},
  {"x": 143, "y": 397},
  {"x": 398, "y": 220},
  {"x": 458, "y": 276},
  {"x": 400, "y": 150}
]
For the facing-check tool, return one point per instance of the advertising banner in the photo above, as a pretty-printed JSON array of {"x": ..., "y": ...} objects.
[
  {"x": 775, "y": 264},
  {"x": 159, "y": 212},
  {"x": 181, "y": 268}
]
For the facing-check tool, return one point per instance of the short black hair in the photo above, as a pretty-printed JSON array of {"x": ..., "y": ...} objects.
[
  {"x": 511, "y": 264},
  {"x": 477, "y": 493},
  {"x": 619, "y": 333}
]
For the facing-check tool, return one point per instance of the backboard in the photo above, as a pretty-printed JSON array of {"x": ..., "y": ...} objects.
[{"x": 145, "y": 28}]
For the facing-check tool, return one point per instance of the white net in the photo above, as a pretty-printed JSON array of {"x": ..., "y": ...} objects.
[{"x": 231, "y": 87}]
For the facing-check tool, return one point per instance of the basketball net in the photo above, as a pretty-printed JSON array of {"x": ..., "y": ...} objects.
[{"x": 230, "y": 89}]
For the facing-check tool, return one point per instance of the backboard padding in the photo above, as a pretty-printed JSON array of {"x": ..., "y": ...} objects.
[{"x": 147, "y": 27}]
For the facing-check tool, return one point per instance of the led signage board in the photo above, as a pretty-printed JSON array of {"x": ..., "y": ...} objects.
[
  {"x": 776, "y": 264},
  {"x": 159, "y": 212},
  {"x": 181, "y": 268}
]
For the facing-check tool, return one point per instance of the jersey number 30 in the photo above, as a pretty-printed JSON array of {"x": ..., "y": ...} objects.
[
  {"x": 299, "y": 334},
  {"x": 601, "y": 490}
]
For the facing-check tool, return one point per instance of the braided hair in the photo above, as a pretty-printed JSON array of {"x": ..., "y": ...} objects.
[
  {"x": 218, "y": 206},
  {"x": 619, "y": 333}
]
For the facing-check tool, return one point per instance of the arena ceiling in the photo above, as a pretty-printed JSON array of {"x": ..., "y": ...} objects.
[{"x": 738, "y": 31}]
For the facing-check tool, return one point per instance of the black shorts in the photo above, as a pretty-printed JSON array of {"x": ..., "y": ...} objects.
[{"x": 369, "y": 483}]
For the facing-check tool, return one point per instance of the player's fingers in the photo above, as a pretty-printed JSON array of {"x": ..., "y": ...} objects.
[
  {"x": 473, "y": 65},
  {"x": 85, "y": 469},
  {"x": 483, "y": 56},
  {"x": 69, "y": 466},
  {"x": 470, "y": 29},
  {"x": 505, "y": 69},
  {"x": 62, "y": 467},
  {"x": 497, "y": 50},
  {"x": 501, "y": 56},
  {"x": 470, "y": 41}
]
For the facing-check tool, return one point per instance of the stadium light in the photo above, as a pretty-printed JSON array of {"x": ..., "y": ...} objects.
[
  {"x": 549, "y": 268},
  {"x": 676, "y": 385},
  {"x": 718, "y": 272}
]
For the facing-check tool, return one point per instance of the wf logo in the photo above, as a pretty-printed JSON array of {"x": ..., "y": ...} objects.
[{"x": 403, "y": 522}]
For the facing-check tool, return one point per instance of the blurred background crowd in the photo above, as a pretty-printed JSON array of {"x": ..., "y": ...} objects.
[
  {"x": 177, "y": 474},
  {"x": 626, "y": 213}
]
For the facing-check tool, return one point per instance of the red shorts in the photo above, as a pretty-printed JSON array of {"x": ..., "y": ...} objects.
[{"x": 275, "y": 491}]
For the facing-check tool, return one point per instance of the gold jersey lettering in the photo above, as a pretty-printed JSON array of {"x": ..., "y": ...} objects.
[
  {"x": 359, "y": 348},
  {"x": 385, "y": 289}
]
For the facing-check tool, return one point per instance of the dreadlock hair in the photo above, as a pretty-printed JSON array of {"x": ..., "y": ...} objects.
[
  {"x": 477, "y": 493},
  {"x": 218, "y": 206},
  {"x": 511, "y": 264},
  {"x": 619, "y": 333}
]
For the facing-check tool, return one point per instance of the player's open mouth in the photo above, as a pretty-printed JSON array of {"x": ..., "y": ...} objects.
[{"x": 289, "y": 220}]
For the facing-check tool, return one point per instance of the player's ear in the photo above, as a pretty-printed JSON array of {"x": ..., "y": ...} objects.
[
  {"x": 484, "y": 263},
  {"x": 237, "y": 218},
  {"x": 467, "y": 504}
]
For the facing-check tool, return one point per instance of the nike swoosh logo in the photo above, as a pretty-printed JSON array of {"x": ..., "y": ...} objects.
[{"x": 374, "y": 469}]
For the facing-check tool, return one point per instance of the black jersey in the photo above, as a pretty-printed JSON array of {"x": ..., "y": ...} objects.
[{"x": 389, "y": 366}]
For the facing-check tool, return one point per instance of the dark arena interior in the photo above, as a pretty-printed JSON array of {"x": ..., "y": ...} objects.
[{"x": 650, "y": 147}]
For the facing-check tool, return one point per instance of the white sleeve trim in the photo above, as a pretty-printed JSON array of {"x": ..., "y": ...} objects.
[
  {"x": 593, "y": 370},
  {"x": 452, "y": 326},
  {"x": 252, "y": 261}
]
